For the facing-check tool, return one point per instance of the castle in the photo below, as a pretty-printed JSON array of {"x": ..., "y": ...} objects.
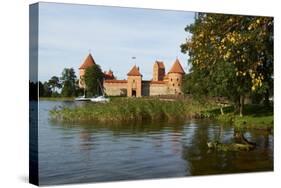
[{"x": 160, "y": 84}]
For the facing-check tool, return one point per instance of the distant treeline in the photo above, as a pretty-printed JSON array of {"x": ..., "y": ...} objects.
[
  {"x": 68, "y": 84},
  {"x": 64, "y": 86}
]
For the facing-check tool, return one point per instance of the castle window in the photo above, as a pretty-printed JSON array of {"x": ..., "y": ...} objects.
[
  {"x": 173, "y": 84},
  {"x": 171, "y": 79},
  {"x": 177, "y": 79},
  {"x": 178, "y": 84}
]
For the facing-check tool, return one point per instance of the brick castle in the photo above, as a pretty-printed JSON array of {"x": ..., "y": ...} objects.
[{"x": 160, "y": 84}]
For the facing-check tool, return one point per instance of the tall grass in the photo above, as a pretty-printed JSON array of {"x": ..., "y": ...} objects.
[
  {"x": 127, "y": 110},
  {"x": 131, "y": 109}
]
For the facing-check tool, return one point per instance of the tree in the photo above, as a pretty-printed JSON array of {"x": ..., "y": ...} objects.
[
  {"x": 68, "y": 82},
  {"x": 194, "y": 83},
  {"x": 54, "y": 83},
  {"x": 78, "y": 91},
  {"x": 242, "y": 46},
  {"x": 93, "y": 80},
  {"x": 47, "y": 92},
  {"x": 41, "y": 89}
]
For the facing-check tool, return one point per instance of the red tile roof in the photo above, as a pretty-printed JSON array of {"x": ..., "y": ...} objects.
[
  {"x": 108, "y": 75},
  {"x": 89, "y": 61},
  {"x": 177, "y": 68},
  {"x": 134, "y": 72}
]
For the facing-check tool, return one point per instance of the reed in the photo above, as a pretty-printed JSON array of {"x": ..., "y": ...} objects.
[
  {"x": 131, "y": 109},
  {"x": 127, "y": 110}
]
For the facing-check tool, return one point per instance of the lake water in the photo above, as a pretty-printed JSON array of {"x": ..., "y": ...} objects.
[{"x": 80, "y": 153}]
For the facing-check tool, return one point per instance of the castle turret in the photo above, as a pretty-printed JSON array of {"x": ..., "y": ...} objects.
[
  {"x": 158, "y": 71},
  {"x": 108, "y": 75},
  {"x": 89, "y": 61},
  {"x": 134, "y": 82},
  {"x": 175, "y": 76}
]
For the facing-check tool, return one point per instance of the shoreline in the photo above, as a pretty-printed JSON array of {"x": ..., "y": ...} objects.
[
  {"x": 127, "y": 110},
  {"x": 56, "y": 98}
]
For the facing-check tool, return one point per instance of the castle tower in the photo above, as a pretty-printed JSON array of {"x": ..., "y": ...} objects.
[
  {"x": 134, "y": 82},
  {"x": 89, "y": 61},
  {"x": 158, "y": 71},
  {"x": 175, "y": 78},
  {"x": 108, "y": 75}
]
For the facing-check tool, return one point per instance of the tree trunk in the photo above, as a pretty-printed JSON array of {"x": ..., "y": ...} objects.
[
  {"x": 241, "y": 105},
  {"x": 266, "y": 98},
  {"x": 222, "y": 113},
  {"x": 237, "y": 105},
  {"x": 239, "y": 138}
]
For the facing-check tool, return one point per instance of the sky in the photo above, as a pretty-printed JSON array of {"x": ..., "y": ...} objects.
[{"x": 113, "y": 35}]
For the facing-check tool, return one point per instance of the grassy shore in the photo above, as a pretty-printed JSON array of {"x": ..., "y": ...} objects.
[
  {"x": 56, "y": 98},
  {"x": 255, "y": 117},
  {"x": 132, "y": 109},
  {"x": 153, "y": 109}
]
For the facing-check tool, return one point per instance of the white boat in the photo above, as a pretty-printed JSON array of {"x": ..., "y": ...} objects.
[
  {"x": 82, "y": 98},
  {"x": 93, "y": 99},
  {"x": 100, "y": 99}
]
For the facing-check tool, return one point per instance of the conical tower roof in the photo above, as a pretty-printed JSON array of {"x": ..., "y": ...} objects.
[
  {"x": 177, "y": 68},
  {"x": 89, "y": 61},
  {"x": 134, "y": 71}
]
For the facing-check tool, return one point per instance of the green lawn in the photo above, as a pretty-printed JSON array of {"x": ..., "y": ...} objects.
[{"x": 254, "y": 117}]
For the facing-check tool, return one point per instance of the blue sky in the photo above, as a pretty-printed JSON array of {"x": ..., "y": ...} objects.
[{"x": 112, "y": 34}]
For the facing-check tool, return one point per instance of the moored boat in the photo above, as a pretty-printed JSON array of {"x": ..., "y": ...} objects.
[
  {"x": 100, "y": 99},
  {"x": 82, "y": 98}
]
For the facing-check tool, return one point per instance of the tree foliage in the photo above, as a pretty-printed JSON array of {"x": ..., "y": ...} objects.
[
  {"x": 54, "y": 84},
  {"x": 230, "y": 55},
  {"x": 44, "y": 89},
  {"x": 93, "y": 79},
  {"x": 68, "y": 79}
]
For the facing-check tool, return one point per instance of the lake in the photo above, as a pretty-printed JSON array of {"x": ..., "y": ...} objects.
[{"x": 81, "y": 153}]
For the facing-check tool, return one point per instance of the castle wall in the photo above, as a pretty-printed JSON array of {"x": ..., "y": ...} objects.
[
  {"x": 134, "y": 85},
  {"x": 145, "y": 88},
  {"x": 115, "y": 87},
  {"x": 155, "y": 73},
  {"x": 174, "y": 83},
  {"x": 148, "y": 88},
  {"x": 161, "y": 74},
  {"x": 154, "y": 88},
  {"x": 158, "y": 73},
  {"x": 158, "y": 88}
]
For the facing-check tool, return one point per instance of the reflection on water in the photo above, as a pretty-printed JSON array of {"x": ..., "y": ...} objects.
[{"x": 73, "y": 153}]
